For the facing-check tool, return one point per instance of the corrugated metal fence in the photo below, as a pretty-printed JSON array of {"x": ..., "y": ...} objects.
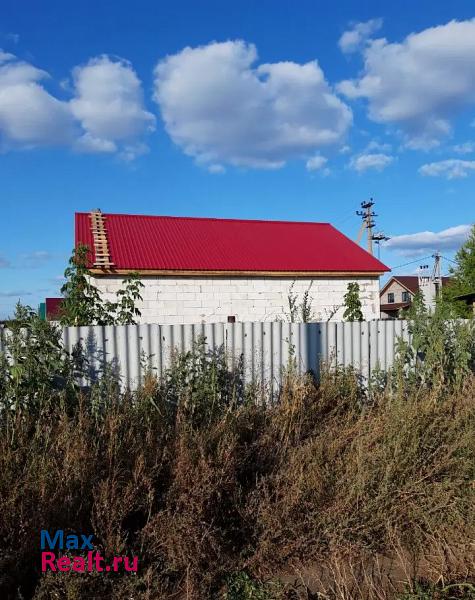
[{"x": 265, "y": 347}]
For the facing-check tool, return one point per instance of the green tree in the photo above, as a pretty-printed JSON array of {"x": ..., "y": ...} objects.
[
  {"x": 463, "y": 276},
  {"x": 352, "y": 303},
  {"x": 83, "y": 304}
]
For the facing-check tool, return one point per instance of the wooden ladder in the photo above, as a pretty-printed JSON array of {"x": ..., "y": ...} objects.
[{"x": 101, "y": 245}]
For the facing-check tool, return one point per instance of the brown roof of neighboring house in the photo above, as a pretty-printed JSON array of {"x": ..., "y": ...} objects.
[
  {"x": 411, "y": 282},
  {"x": 394, "y": 306}
]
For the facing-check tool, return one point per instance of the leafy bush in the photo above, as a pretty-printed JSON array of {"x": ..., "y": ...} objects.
[
  {"x": 441, "y": 349},
  {"x": 352, "y": 303},
  {"x": 83, "y": 304},
  {"x": 34, "y": 367}
]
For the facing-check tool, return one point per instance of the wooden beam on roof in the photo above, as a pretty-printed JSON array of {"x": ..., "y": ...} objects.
[{"x": 190, "y": 273}]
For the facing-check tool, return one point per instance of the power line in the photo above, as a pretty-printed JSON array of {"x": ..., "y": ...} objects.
[
  {"x": 344, "y": 219},
  {"x": 450, "y": 260},
  {"x": 411, "y": 263}
]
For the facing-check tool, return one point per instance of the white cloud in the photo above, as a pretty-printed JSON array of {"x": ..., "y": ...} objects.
[
  {"x": 316, "y": 163},
  {"x": 465, "y": 148},
  {"x": 108, "y": 103},
  {"x": 220, "y": 108},
  {"x": 453, "y": 168},
  {"x": 106, "y": 113},
  {"x": 4, "y": 263},
  {"x": 29, "y": 115},
  {"x": 419, "y": 84},
  {"x": 353, "y": 39},
  {"x": 87, "y": 143},
  {"x": 374, "y": 145},
  {"x": 427, "y": 241},
  {"x": 131, "y": 151},
  {"x": 363, "y": 162}
]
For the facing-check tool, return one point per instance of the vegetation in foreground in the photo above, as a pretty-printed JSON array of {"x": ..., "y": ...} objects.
[{"x": 330, "y": 492}]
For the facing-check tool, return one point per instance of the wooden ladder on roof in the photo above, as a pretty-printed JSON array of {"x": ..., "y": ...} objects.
[{"x": 101, "y": 244}]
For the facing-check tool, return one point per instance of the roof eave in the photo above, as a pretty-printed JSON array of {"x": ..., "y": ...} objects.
[{"x": 237, "y": 273}]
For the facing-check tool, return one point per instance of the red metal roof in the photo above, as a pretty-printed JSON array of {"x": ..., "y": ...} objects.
[{"x": 143, "y": 243}]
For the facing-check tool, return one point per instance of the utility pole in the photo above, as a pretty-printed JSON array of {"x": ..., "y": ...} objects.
[
  {"x": 430, "y": 285},
  {"x": 436, "y": 276},
  {"x": 367, "y": 215}
]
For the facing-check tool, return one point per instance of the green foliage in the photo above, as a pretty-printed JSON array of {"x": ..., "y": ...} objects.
[
  {"x": 83, "y": 305},
  {"x": 34, "y": 366},
  {"x": 441, "y": 348},
  {"x": 352, "y": 303},
  {"x": 429, "y": 591},
  {"x": 200, "y": 385},
  {"x": 240, "y": 586},
  {"x": 463, "y": 276},
  {"x": 125, "y": 308}
]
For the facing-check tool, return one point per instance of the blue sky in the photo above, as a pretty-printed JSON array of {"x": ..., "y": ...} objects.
[{"x": 274, "y": 110}]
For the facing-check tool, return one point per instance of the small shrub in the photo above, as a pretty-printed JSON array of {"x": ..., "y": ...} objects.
[
  {"x": 241, "y": 586},
  {"x": 352, "y": 303}
]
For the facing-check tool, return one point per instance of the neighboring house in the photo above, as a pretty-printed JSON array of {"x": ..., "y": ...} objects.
[
  {"x": 206, "y": 270},
  {"x": 398, "y": 294},
  {"x": 50, "y": 309}
]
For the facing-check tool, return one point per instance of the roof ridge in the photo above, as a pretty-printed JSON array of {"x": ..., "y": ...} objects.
[{"x": 228, "y": 219}]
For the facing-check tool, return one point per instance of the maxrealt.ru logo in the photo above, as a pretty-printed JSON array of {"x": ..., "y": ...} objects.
[{"x": 88, "y": 558}]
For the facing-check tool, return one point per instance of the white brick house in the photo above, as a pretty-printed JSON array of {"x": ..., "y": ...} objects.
[{"x": 207, "y": 270}]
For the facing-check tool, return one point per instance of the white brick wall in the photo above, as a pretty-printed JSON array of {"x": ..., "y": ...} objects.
[{"x": 212, "y": 299}]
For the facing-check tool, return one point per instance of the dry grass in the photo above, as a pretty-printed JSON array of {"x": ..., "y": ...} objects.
[{"x": 329, "y": 494}]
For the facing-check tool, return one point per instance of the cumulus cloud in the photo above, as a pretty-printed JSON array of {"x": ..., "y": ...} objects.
[
  {"x": 428, "y": 241},
  {"x": 316, "y": 163},
  {"x": 418, "y": 85},
  {"x": 363, "y": 162},
  {"x": 29, "y": 115},
  {"x": 355, "y": 38},
  {"x": 374, "y": 145},
  {"x": 108, "y": 103},
  {"x": 452, "y": 168},
  {"x": 221, "y": 108},
  {"x": 105, "y": 114}
]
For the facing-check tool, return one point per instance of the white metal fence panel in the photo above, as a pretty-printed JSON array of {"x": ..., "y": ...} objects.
[{"x": 266, "y": 347}]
